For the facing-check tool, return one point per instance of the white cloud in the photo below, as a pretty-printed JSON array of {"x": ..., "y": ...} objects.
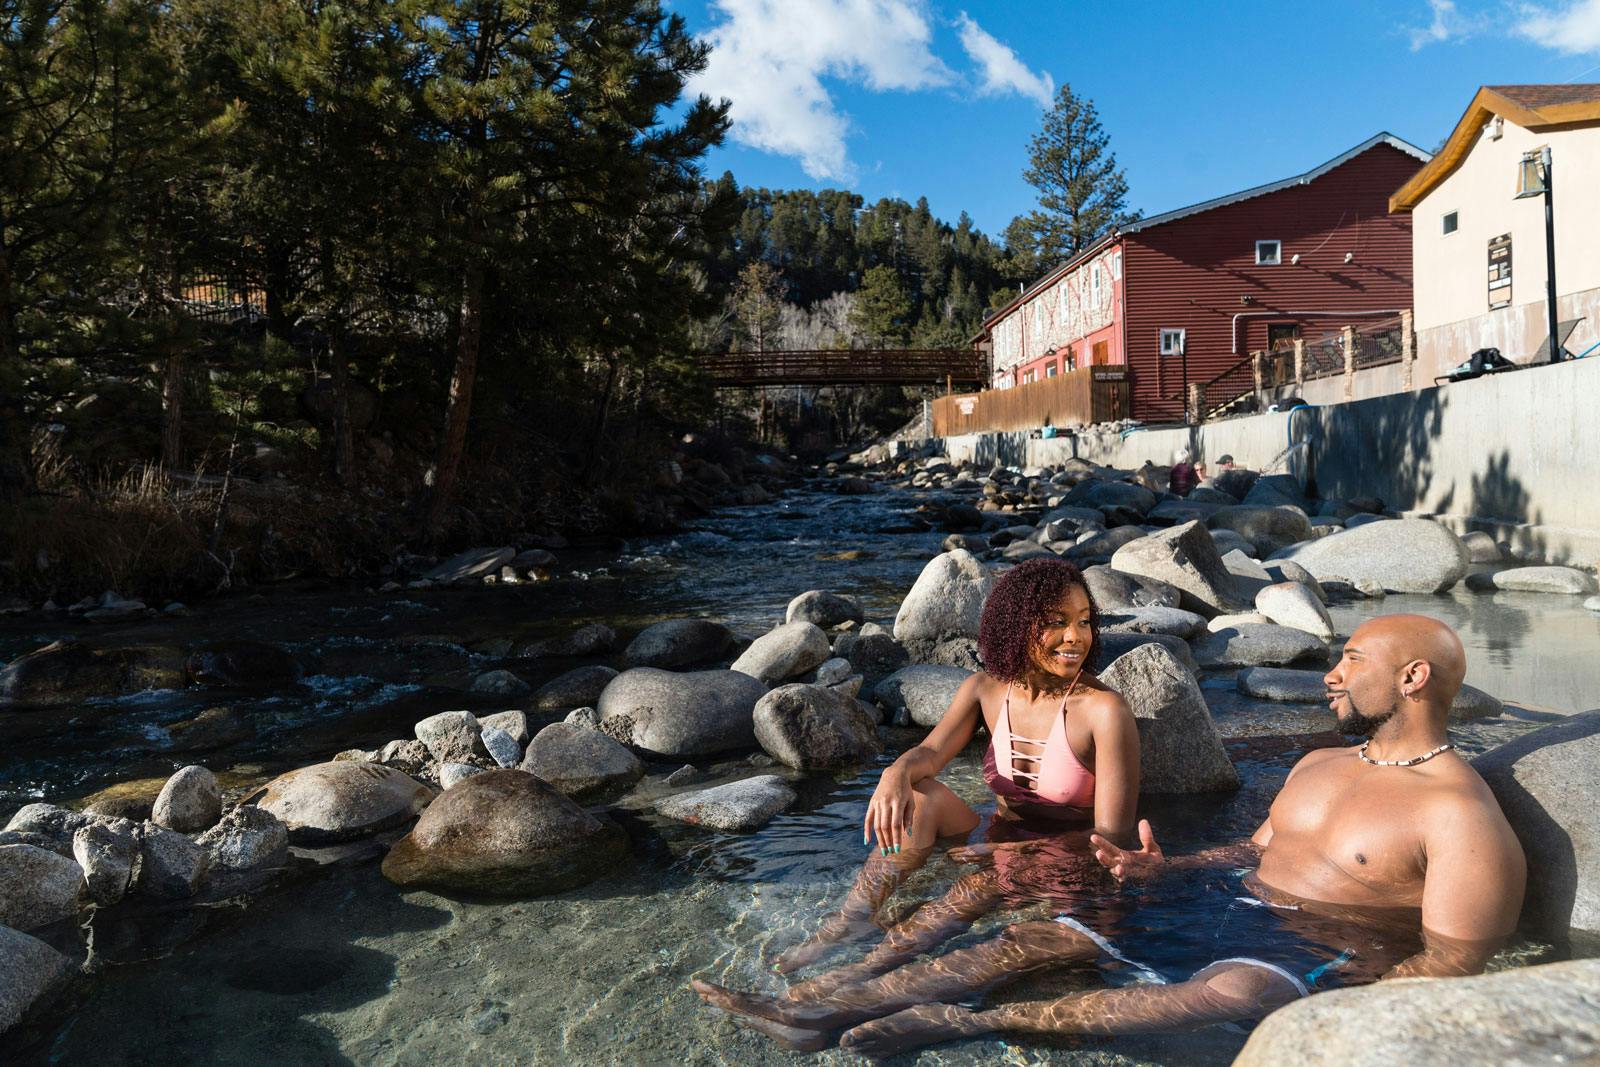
[
  {"x": 1448, "y": 24},
  {"x": 1574, "y": 29},
  {"x": 770, "y": 57},
  {"x": 1003, "y": 72}
]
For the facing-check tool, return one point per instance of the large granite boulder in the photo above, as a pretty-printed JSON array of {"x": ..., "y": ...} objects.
[
  {"x": 920, "y": 693},
  {"x": 1180, "y": 750},
  {"x": 581, "y": 763},
  {"x": 823, "y": 609},
  {"x": 738, "y": 807},
  {"x": 53, "y": 826},
  {"x": 242, "y": 663},
  {"x": 1561, "y": 580},
  {"x": 946, "y": 601},
  {"x": 1294, "y": 605},
  {"x": 1275, "y": 490},
  {"x": 452, "y": 736},
  {"x": 680, "y": 716},
  {"x": 1249, "y": 576},
  {"x": 578, "y": 688},
  {"x": 37, "y": 887},
  {"x": 107, "y": 855},
  {"x": 170, "y": 865},
  {"x": 342, "y": 801},
  {"x": 1526, "y": 1015},
  {"x": 1235, "y": 483},
  {"x": 1266, "y": 528},
  {"x": 505, "y": 833},
  {"x": 784, "y": 652},
  {"x": 873, "y": 656},
  {"x": 191, "y": 801},
  {"x": 1545, "y": 782},
  {"x": 30, "y": 972},
  {"x": 1307, "y": 687},
  {"x": 1287, "y": 570},
  {"x": 1173, "y": 621},
  {"x": 1401, "y": 555},
  {"x": 677, "y": 643},
  {"x": 1184, "y": 557},
  {"x": 1099, "y": 494},
  {"x": 812, "y": 728},
  {"x": 1117, "y": 644},
  {"x": 1114, "y": 592},
  {"x": 1258, "y": 645},
  {"x": 66, "y": 672},
  {"x": 1177, "y": 510}
]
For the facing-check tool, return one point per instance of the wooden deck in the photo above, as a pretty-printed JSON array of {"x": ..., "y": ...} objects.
[{"x": 846, "y": 366}]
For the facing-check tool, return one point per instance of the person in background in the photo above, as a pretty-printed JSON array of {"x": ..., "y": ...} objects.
[
  {"x": 1184, "y": 477},
  {"x": 1224, "y": 463}
]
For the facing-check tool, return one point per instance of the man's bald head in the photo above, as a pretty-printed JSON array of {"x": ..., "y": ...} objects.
[{"x": 1403, "y": 640}]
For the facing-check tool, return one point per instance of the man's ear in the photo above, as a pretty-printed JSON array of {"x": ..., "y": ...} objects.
[{"x": 1416, "y": 675}]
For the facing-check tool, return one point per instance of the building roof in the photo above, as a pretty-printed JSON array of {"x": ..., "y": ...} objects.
[
  {"x": 1206, "y": 205},
  {"x": 1533, "y": 107}
]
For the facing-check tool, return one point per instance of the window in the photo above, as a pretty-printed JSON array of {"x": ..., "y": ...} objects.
[
  {"x": 1172, "y": 342},
  {"x": 1281, "y": 336},
  {"x": 1116, "y": 265},
  {"x": 1094, "y": 284},
  {"x": 1098, "y": 356},
  {"x": 1027, "y": 377},
  {"x": 1449, "y": 223},
  {"x": 1050, "y": 369},
  {"x": 1269, "y": 253}
]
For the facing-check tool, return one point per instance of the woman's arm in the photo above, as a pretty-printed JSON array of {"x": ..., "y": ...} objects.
[
  {"x": 1116, "y": 768},
  {"x": 889, "y": 812}
]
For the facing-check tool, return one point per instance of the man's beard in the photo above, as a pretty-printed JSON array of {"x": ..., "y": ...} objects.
[{"x": 1359, "y": 724}]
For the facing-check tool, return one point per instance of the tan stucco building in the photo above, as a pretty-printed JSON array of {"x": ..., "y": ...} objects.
[{"x": 1478, "y": 254}]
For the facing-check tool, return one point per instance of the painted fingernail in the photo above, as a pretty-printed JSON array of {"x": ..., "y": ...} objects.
[{"x": 897, "y": 848}]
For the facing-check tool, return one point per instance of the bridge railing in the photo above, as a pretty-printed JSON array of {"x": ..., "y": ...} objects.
[
  {"x": 845, "y": 366},
  {"x": 1079, "y": 397}
]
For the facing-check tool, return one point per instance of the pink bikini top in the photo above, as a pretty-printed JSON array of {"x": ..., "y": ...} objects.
[{"x": 1060, "y": 779}]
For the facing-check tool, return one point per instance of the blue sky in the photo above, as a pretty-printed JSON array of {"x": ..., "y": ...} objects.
[{"x": 928, "y": 98}]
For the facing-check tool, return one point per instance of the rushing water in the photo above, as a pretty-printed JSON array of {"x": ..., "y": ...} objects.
[{"x": 339, "y": 966}]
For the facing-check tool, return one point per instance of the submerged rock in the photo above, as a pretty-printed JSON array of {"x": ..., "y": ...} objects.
[
  {"x": 190, "y": 802},
  {"x": 811, "y": 728},
  {"x": 737, "y": 807},
  {"x": 592, "y": 639},
  {"x": 37, "y": 887},
  {"x": 577, "y": 688},
  {"x": 505, "y": 833},
  {"x": 500, "y": 683},
  {"x": 66, "y": 672},
  {"x": 782, "y": 653},
  {"x": 30, "y": 971},
  {"x": 823, "y": 609},
  {"x": 1180, "y": 750},
  {"x": 681, "y": 715},
  {"x": 582, "y": 763},
  {"x": 212, "y": 729},
  {"x": 1400, "y": 555},
  {"x": 1186, "y": 558},
  {"x": 680, "y": 643},
  {"x": 1560, "y": 580},
  {"x": 242, "y": 663},
  {"x": 946, "y": 601},
  {"x": 920, "y": 693},
  {"x": 328, "y": 802}
]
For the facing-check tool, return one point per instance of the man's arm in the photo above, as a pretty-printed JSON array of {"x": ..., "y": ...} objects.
[{"x": 1472, "y": 887}]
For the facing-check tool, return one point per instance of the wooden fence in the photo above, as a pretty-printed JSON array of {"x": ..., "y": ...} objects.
[{"x": 1077, "y": 398}]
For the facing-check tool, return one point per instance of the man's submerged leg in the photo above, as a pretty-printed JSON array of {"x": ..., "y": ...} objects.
[{"x": 1231, "y": 991}]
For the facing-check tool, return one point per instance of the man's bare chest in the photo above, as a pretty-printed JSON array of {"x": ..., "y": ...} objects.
[{"x": 1354, "y": 822}]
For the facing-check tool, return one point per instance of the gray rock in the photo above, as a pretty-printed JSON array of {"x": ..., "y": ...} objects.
[
  {"x": 680, "y": 643},
  {"x": 505, "y": 833},
  {"x": 1101, "y": 494},
  {"x": 688, "y": 774},
  {"x": 1236, "y": 483},
  {"x": 737, "y": 807},
  {"x": 956, "y": 652},
  {"x": 1287, "y": 570},
  {"x": 1272, "y": 490},
  {"x": 874, "y": 656},
  {"x": 503, "y": 748},
  {"x": 1249, "y": 576},
  {"x": 501, "y": 683},
  {"x": 1481, "y": 548},
  {"x": 581, "y": 763},
  {"x": 30, "y": 972},
  {"x": 67, "y": 673},
  {"x": 1544, "y": 782},
  {"x": 1365, "y": 520},
  {"x": 1024, "y": 550},
  {"x": 591, "y": 639},
  {"x": 37, "y": 887},
  {"x": 946, "y": 601},
  {"x": 1257, "y": 645},
  {"x": 1227, "y": 541},
  {"x": 190, "y": 802},
  {"x": 676, "y": 716},
  {"x": 247, "y": 839},
  {"x": 1114, "y": 645},
  {"x": 453, "y": 774},
  {"x": 452, "y": 736},
  {"x": 574, "y": 689},
  {"x": 830, "y": 672},
  {"x": 470, "y": 565},
  {"x": 1266, "y": 528},
  {"x": 1174, "y": 621},
  {"x": 1592, "y": 603},
  {"x": 170, "y": 865},
  {"x": 1402, "y": 555},
  {"x": 329, "y": 802},
  {"x": 1185, "y": 558},
  {"x": 1207, "y": 493},
  {"x": 964, "y": 541},
  {"x": 826, "y": 610},
  {"x": 1224, "y": 622},
  {"x": 1180, "y": 750},
  {"x": 1292, "y": 604},
  {"x": 513, "y": 722},
  {"x": 1010, "y": 535},
  {"x": 408, "y": 755},
  {"x": 1100, "y": 546},
  {"x": 583, "y": 718},
  {"x": 107, "y": 856},
  {"x": 1278, "y": 683},
  {"x": 923, "y": 691},
  {"x": 1472, "y": 703},
  {"x": 784, "y": 652},
  {"x": 811, "y": 728},
  {"x": 1116, "y": 593},
  {"x": 1568, "y": 580},
  {"x": 1525, "y": 1015},
  {"x": 1177, "y": 510}
]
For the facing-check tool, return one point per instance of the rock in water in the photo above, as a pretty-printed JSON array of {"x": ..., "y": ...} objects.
[
  {"x": 243, "y": 663},
  {"x": 1258, "y": 645},
  {"x": 501, "y": 683},
  {"x": 107, "y": 856},
  {"x": 1545, "y": 782},
  {"x": 1481, "y": 548},
  {"x": 170, "y": 865},
  {"x": 328, "y": 802},
  {"x": 1287, "y": 570},
  {"x": 1249, "y": 576},
  {"x": 1526, "y": 1015},
  {"x": 1114, "y": 645},
  {"x": 1568, "y": 580},
  {"x": 677, "y": 716},
  {"x": 37, "y": 887},
  {"x": 452, "y": 736},
  {"x": 1115, "y": 593},
  {"x": 470, "y": 565},
  {"x": 826, "y": 610},
  {"x": 1401, "y": 555},
  {"x": 247, "y": 838},
  {"x": 505, "y": 833},
  {"x": 502, "y": 746},
  {"x": 577, "y": 688},
  {"x": 1277, "y": 683},
  {"x": 190, "y": 802},
  {"x": 1180, "y": 750},
  {"x": 811, "y": 728},
  {"x": 592, "y": 639},
  {"x": 873, "y": 656},
  {"x": 735, "y": 808},
  {"x": 791, "y": 649},
  {"x": 946, "y": 601},
  {"x": 1184, "y": 557},
  {"x": 66, "y": 672},
  {"x": 680, "y": 643},
  {"x": 581, "y": 763},
  {"x": 1472, "y": 703},
  {"x": 922, "y": 691},
  {"x": 1266, "y": 528},
  {"x": 1174, "y": 621},
  {"x": 1292, "y": 604},
  {"x": 30, "y": 971}
]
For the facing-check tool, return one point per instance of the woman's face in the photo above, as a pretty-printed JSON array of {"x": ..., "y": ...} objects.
[{"x": 1065, "y": 638}]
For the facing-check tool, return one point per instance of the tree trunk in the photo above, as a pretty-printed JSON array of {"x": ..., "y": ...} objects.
[
  {"x": 453, "y": 442},
  {"x": 16, "y": 463},
  {"x": 278, "y": 284},
  {"x": 601, "y": 415},
  {"x": 344, "y": 445},
  {"x": 172, "y": 408}
]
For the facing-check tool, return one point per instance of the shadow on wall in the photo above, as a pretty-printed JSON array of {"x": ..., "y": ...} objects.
[
  {"x": 1500, "y": 496},
  {"x": 1004, "y": 449}
]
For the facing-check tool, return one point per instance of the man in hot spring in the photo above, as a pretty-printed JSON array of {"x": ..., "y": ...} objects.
[{"x": 1388, "y": 859}]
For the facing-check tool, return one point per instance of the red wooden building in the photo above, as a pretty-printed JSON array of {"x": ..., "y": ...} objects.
[{"x": 1209, "y": 283}]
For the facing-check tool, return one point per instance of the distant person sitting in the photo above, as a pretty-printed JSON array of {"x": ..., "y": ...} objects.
[
  {"x": 1224, "y": 463},
  {"x": 1184, "y": 477}
]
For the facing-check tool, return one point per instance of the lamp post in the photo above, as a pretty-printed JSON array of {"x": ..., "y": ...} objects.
[{"x": 1533, "y": 178}]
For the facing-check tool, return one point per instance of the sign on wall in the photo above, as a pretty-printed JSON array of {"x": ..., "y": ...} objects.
[{"x": 1499, "y": 271}]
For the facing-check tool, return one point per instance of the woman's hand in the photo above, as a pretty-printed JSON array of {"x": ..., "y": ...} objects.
[
  {"x": 1125, "y": 863},
  {"x": 890, "y": 810}
]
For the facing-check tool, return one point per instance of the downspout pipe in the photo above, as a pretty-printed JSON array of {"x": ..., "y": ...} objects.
[{"x": 1302, "y": 314}]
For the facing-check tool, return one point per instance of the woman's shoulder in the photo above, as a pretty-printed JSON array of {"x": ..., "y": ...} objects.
[{"x": 1101, "y": 702}]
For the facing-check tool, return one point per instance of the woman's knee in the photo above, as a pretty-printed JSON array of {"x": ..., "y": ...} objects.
[
  {"x": 1246, "y": 989},
  {"x": 949, "y": 813}
]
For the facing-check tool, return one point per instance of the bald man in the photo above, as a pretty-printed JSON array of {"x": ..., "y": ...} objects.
[{"x": 1387, "y": 859}]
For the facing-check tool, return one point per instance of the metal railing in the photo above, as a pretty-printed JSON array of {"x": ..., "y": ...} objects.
[{"x": 846, "y": 366}]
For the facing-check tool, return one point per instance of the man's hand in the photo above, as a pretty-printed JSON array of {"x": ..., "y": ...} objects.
[{"x": 1143, "y": 862}]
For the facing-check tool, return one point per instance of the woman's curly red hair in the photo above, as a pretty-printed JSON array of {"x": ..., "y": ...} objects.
[{"x": 1015, "y": 611}]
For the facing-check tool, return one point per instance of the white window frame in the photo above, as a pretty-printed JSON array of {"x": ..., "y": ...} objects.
[
  {"x": 1050, "y": 369},
  {"x": 1171, "y": 333},
  {"x": 1094, "y": 283},
  {"x": 1445, "y": 229},
  {"x": 1028, "y": 376},
  {"x": 1276, "y": 261},
  {"x": 1116, "y": 266}
]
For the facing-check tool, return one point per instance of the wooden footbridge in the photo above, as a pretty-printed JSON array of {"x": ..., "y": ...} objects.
[{"x": 846, "y": 366}]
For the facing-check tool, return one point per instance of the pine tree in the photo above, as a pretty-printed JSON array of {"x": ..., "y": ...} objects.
[
  {"x": 1082, "y": 191},
  {"x": 882, "y": 311}
]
